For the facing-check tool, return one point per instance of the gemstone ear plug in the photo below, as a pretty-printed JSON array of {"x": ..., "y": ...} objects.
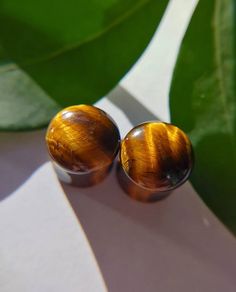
[
  {"x": 155, "y": 158},
  {"x": 83, "y": 142}
]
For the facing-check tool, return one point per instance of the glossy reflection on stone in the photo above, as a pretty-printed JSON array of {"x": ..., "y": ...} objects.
[
  {"x": 155, "y": 158},
  {"x": 83, "y": 142}
]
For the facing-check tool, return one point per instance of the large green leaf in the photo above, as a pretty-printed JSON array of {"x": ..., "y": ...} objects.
[
  {"x": 77, "y": 50},
  {"x": 23, "y": 104},
  {"x": 203, "y": 103}
]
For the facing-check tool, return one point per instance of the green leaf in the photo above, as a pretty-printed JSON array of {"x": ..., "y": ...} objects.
[
  {"x": 203, "y": 103},
  {"x": 77, "y": 50},
  {"x": 23, "y": 104},
  {"x": 2, "y": 54}
]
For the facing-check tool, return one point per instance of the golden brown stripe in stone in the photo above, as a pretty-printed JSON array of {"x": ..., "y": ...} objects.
[
  {"x": 82, "y": 139},
  {"x": 155, "y": 156}
]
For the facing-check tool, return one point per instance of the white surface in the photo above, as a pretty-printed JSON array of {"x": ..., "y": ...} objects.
[
  {"x": 174, "y": 245},
  {"x": 43, "y": 248},
  {"x": 150, "y": 79}
]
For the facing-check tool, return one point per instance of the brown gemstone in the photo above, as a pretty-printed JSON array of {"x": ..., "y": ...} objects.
[
  {"x": 83, "y": 142},
  {"x": 155, "y": 158}
]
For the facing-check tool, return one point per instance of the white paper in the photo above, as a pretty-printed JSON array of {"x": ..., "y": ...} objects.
[{"x": 43, "y": 247}]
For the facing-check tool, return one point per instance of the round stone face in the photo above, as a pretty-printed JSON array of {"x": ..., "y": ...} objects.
[
  {"x": 157, "y": 156},
  {"x": 82, "y": 139}
]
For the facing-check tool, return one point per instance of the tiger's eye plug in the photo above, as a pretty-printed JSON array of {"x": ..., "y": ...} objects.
[
  {"x": 155, "y": 158},
  {"x": 83, "y": 142}
]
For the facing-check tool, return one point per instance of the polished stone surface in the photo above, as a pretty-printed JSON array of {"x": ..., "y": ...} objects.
[
  {"x": 83, "y": 140},
  {"x": 156, "y": 158}
]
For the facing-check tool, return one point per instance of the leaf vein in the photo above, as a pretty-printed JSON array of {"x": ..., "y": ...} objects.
[{"x": 76, "y": 46}]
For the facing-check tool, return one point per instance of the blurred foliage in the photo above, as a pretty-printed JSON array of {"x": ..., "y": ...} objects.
[
  {"x": 203, "y": 103},
  {"x": 67, "y": 53}
]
